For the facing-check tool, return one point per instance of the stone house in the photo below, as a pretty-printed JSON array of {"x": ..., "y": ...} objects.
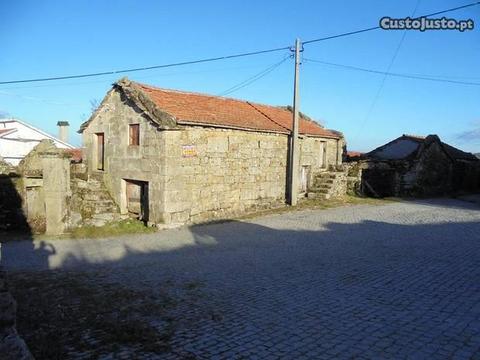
[
  {"x": 418, "y": 166},
  {"x": 179, "y": 157}
]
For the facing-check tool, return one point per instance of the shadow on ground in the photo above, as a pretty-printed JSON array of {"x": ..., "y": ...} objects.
[{"x": 368, "y": 274}]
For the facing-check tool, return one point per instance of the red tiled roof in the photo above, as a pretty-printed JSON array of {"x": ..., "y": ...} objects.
[
  {"x": 75, "y": 153},
  {"x": 194, "y": 108},
  {"x": 354, "y": 153}
]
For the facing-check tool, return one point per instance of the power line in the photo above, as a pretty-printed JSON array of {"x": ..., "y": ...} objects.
[
  {"x": 145, "y": 68},
  {"x": 34, "y": 98},
  {"x": 401, "y": 75},
  {"x": 378, "y": 27},
  {"x": 114, "y": 72},
  {"x": 253, "y": 78},
  {"x": 384, "y": 77},
  {"x": 174, "y": 73}
]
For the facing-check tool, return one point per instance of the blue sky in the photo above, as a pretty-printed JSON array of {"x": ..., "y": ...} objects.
[{"x": 55, "y": 38}]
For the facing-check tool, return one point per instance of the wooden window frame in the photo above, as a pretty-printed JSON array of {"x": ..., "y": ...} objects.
[{"x": 134, "y": 134}]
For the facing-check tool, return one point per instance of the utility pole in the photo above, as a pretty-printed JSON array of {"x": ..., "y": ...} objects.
[{"x": 294, "y": 155}]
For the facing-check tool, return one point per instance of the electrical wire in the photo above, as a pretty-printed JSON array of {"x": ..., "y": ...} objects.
[
  {"x": 384, "y": 77},
  {"x": 149, "y": 76},
  {"x": 145, "y": 68},
  {"x": 254, "y": 78},
  {"x": 217, "y": 58},
  {"x": 378, "y": 27},
  {"x": 401, "y": 75},
  {"x": 34, "y": 98}
]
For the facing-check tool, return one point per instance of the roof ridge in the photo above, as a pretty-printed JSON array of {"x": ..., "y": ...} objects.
[
  {"x": 278, "y": 107},
  {"x": 188, "y": 92}
]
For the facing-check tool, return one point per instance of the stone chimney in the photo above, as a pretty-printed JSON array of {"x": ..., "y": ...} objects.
[{"x": 63, "y": 130}]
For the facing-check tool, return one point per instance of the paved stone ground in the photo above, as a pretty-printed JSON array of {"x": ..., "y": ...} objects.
[{"x": 395, "y": 281}]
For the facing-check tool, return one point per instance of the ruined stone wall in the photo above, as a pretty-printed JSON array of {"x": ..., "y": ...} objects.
[
  {"x": 353, "y": 171},
  {"x": 44, "y": 189},
  {"x": 466, "y": 176},
  {"x": 430, "y": 174}
]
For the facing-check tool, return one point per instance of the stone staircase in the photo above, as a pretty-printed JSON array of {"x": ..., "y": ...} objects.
[
  {"x": 328, "y": 185},
  {"x": 92, "y": 203}
]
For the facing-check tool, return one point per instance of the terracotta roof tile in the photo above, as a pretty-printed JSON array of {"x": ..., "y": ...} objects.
[
  {"x": 75, "y": 153},
  {"x": 204, "y": 109},
  {"x": 354, "y": 153}
]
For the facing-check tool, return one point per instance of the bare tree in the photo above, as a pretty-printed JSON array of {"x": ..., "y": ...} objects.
[{"x": 94, "y": 104}]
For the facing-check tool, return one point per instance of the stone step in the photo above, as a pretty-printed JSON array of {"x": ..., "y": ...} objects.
[
  {"x": 319, "y": 190},
  {"x": 316, "y": 195},
  {"x": 320, "y": 187},
  {"x": 326, "y": 176},
  {"x": 97, "y": 196},
  {"x": 104, "y": 209},
  {"x": 323, "y": 182}
]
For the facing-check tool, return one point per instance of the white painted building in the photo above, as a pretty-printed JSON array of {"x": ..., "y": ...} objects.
[{"x": 18, "y": 138}]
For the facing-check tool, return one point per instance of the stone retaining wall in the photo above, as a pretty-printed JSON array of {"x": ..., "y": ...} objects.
[{"x": 48, "y": 193}]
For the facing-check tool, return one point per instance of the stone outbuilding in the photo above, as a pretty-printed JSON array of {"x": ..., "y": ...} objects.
[
  {"x": 180, "y": 157},
  {"x": 418, "y": 166}
]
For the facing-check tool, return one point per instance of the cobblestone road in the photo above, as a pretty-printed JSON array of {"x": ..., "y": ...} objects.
[{"x": 395, "y": 281}]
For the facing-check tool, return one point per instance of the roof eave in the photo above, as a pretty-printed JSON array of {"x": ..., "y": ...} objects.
[{"x": 224, "y": 126}]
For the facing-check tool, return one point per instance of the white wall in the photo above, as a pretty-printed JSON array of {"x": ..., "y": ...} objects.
[{"x": 16, "y": 145}]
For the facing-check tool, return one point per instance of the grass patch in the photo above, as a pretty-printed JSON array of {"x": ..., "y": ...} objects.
[
  {"x": 119, "y": 228},
  {"x": 62, "y": 315},
  {"x": 124, "y": 227},
  {"x": 316, "y": 204}
]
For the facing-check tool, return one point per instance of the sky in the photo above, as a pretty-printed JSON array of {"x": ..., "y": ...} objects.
[{"x": 57, "y": 38}]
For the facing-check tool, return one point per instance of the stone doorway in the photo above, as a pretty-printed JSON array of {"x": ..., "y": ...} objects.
[{"x": 137, "y": 199}]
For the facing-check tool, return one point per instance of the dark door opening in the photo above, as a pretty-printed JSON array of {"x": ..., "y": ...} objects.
[
  {"x": 137, "y": 199},
  {"x": 378, "y": 182}
]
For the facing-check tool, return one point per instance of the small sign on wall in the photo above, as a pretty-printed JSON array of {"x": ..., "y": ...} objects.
[{"x": 189, "y": 151}]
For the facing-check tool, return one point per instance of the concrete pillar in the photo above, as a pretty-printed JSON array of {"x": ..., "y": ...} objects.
[{"x": 56, "y": 187}]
